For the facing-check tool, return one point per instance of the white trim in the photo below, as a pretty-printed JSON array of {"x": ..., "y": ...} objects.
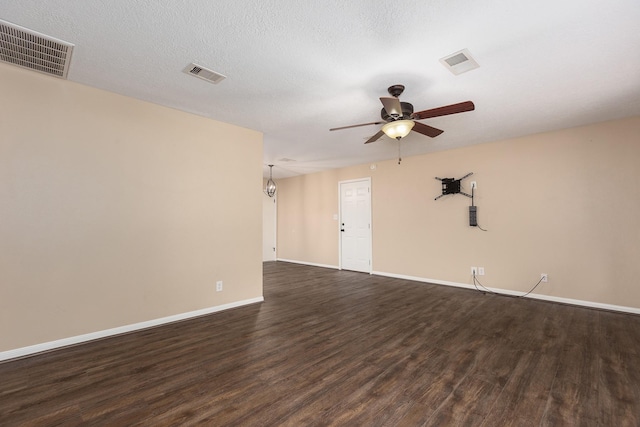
[
  {"x": 312, "y": 264},
  {"x": 590, "y": 304},
  {"x": 424, "y": 280},
  {"x": 583, "y": 303},
  {"x": 51, "y": 345}
]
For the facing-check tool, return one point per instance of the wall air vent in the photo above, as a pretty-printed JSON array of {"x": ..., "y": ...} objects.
[
  {"x": 204, "y": 73},
  {"x": 459, "y": 62},
  {"x": 29, "y": 49}
]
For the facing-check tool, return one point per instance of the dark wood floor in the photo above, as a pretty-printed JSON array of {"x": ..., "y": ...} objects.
[{"x": 333, "y": 347}]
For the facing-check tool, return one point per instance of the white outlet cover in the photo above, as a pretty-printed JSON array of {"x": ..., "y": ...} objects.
[{"x": 474, "y": 185}]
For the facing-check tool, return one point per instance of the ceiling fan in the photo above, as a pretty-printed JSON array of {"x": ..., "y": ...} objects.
[{"x": 400, "y": 119}]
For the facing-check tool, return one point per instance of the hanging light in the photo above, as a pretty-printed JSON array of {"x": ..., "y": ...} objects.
[
  {"x": 270, "y": 188},
  {"x": 398, "y": 129}
]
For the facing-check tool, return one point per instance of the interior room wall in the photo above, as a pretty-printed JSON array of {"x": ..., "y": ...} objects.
[
  {"x": 114, "y": 211},
  {"x": 562, "y": 203}
]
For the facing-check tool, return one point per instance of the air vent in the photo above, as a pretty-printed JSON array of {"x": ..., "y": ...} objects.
[
  {"x": 38, "y": 52},
  {"x": 459, "y": 62},
  {"x": 204, "y": 73}
]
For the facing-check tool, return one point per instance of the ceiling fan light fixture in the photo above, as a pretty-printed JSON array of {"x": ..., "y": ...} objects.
[{"x": 398, "y": 128}]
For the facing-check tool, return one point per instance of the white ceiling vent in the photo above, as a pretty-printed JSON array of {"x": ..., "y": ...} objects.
[
  {"x": 204, "y": 73},
  {"x": 459, "y": 62},
  {"x": 29, "y": 49}
]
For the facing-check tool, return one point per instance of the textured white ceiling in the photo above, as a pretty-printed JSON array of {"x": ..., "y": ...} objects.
[{"x": 295, "y": 69}]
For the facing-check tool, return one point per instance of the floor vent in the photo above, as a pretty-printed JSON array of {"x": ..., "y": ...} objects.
[
  {"x": 204, "y": 73},
  {"x": 459, "y": 62},
  {"x": 38, "y": 52}
]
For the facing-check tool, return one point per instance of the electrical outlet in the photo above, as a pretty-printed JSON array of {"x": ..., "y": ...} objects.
[
  {"x": 480, "y": 271},
  {"x": 474, "y": 271},
  {"x": 474, "y": 185},
  {"x": 219, "y": 286},
  {"x": 544, "y": 277}
]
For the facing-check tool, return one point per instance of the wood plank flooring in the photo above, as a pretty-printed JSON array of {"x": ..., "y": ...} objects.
[{"x": 332, "y": 347}]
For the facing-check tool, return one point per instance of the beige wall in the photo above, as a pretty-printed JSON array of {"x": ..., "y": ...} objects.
[
  {"x": 115, "y": 211},
  {"x": 563, "y": 203}
]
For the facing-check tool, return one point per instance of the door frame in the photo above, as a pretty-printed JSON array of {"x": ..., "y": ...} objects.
[
  {"x": 272, "y": 228},
  {"x": 349, "y": 181}
]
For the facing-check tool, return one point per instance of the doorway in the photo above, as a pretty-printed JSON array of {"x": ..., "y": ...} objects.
[
  {"x": 355, "y": 225},
  {"x": 269, "y": 218}
]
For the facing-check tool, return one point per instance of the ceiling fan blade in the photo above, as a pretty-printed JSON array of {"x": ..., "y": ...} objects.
[
  {"x": 355, "y": 126},
  {"x": 426, "y": 130},
  {"x": 374, "y": 137},
  {"x": 392, "y": 106},
  {"x": 444, "y": 111}
]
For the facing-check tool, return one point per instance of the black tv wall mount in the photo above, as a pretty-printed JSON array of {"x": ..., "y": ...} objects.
[{"x": 452, "y": 186}]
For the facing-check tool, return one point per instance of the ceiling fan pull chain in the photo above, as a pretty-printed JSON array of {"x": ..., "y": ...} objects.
[{"x": 399, "y": 152}]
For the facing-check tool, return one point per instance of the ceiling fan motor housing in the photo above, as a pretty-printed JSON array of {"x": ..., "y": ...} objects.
[
  {"x": 407, "y": 111},
  {"x": 395, "y": 90}
]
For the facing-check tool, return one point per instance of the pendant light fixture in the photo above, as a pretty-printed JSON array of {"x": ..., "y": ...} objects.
[{"x": 270, "y": 188}]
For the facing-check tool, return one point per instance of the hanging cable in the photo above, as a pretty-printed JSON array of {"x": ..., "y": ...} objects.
[
  {"x": 477, "y": 224},
  {"x": 476, "y": 282}
]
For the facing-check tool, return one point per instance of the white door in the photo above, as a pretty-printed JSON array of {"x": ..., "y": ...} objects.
[
  {"x": 355, "y": 225},
  {"x": 268, "y": 228}
]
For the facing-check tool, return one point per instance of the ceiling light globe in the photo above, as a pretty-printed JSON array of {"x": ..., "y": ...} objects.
[
  {"x": 270, "y": 188},
  {"x": 398, "y": 129}
]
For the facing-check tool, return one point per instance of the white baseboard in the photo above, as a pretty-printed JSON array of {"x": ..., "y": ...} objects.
[
  {"x": 51, "y": 345},
  {"x": 313, "y": 264},
  {"x": 589, "y": 304}
]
